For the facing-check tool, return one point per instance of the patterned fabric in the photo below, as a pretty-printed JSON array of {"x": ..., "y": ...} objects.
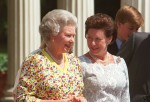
[
  {"x": 107, "y": 83},
  {"x": 42, "y": 78}
]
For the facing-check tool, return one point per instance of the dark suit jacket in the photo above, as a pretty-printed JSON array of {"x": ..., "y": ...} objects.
[
  {"x": 112, "y": 48},
  {"x": 136, "y": 52}
]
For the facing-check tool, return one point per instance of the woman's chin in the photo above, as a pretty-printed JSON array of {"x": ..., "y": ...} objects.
[
  {"x": 68, "y": 50},
  {"x": 93, "y": 52}
]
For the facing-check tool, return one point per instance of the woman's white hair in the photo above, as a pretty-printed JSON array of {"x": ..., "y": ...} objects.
[{"x": 54, "y": 21}]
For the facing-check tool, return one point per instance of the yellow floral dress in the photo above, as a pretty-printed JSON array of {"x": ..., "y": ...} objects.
[{"x": 42, "y": 78}]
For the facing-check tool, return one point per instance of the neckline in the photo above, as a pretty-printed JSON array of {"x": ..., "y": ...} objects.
[
  {"x": 66, "y": 63},
  {"x": 54, "y": 58},
  {"x": 99, "y": 61},
  {"x": 86, "y": 58}
]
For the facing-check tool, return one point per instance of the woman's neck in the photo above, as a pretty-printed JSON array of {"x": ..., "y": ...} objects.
[
  {"x": 58, "y": 58},
  {"x": 104, "y": 59}
]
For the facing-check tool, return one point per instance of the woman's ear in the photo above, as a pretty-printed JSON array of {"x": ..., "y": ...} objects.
[{"x": 109, "y": 40}]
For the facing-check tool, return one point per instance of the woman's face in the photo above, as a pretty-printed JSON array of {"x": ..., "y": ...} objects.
[
  {"x": 97, "y": 41},
  {"x": 125, "y": 31},
  {"x": 64, "y": 41}
]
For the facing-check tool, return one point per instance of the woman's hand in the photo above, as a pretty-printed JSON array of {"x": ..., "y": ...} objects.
[
  {"x": 70, "y": 99},
  {"x": 78, "y": 99}
]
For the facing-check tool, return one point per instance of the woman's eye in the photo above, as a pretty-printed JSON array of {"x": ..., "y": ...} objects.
[
  {"x": 68, "y": 35},
  {"x": 89, "y": 38},
  {"x": 97, "y": 39}
]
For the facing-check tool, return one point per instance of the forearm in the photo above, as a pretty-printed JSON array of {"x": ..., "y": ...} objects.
[
  {"x": 63, "y": 100},
  {"x": 72, "y": 99}
]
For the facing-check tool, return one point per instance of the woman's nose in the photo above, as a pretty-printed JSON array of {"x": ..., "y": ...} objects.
[
  {"x": 93, "y": 42},
  {"x": 72, "y": 39}
]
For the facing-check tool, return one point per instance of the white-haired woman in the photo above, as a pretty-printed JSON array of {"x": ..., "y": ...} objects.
[{"x": 51, "y": 74}]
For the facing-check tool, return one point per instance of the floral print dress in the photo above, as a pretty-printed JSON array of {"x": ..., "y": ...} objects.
[{"x": 42, "y": 78}]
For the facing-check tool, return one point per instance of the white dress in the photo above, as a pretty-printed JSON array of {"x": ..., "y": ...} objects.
[{"x": 107, "y": 83}]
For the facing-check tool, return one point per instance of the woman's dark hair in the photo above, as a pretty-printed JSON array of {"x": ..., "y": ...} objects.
[{"x": 103, "y": 22}]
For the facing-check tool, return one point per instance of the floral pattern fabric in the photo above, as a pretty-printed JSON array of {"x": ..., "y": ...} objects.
[
  {"x": 105, "y": 83},
  {"x": 42, "y": 78}
]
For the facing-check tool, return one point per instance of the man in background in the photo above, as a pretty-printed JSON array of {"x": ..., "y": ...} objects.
[
  {"x": 136, "y": 52},
  {"x": 128, "y": 20}
]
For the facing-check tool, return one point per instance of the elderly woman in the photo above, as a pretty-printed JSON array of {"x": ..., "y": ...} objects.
[
  {"x": 51, "y": 74},
  {"x": 105, "y": 75}
]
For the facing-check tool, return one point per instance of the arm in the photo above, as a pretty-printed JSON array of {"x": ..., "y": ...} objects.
[
  {"x": 125, "y": 91},
  {"x": 26, "y": 87},
  {"x": 72, "y": 99}
]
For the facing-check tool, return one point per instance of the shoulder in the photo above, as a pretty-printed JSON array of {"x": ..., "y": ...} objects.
[
  {"x": 139, "y": 36},
  {"x": 82, "y": 57},
  {"x": 33, "y": 62},
  {"x": 85, "y": 62},
  {"x": 119, "y": 60},
  {"x": 72, "y": 58},
  {"x": 121, "y": 63},
  {"x": 85, "y": 59},
  {"x": 37, "y": 53},
  {"x": 34, "y": 58}
]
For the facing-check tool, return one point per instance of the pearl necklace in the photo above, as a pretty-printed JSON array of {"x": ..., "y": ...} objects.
[
  {"x": 55, "y": 59},
  {"x": 99, "y": 61}
]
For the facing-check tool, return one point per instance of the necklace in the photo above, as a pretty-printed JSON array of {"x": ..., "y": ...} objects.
[
  {"x": 99, "y": 61},
  {"x": 58, "y": 61}
]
